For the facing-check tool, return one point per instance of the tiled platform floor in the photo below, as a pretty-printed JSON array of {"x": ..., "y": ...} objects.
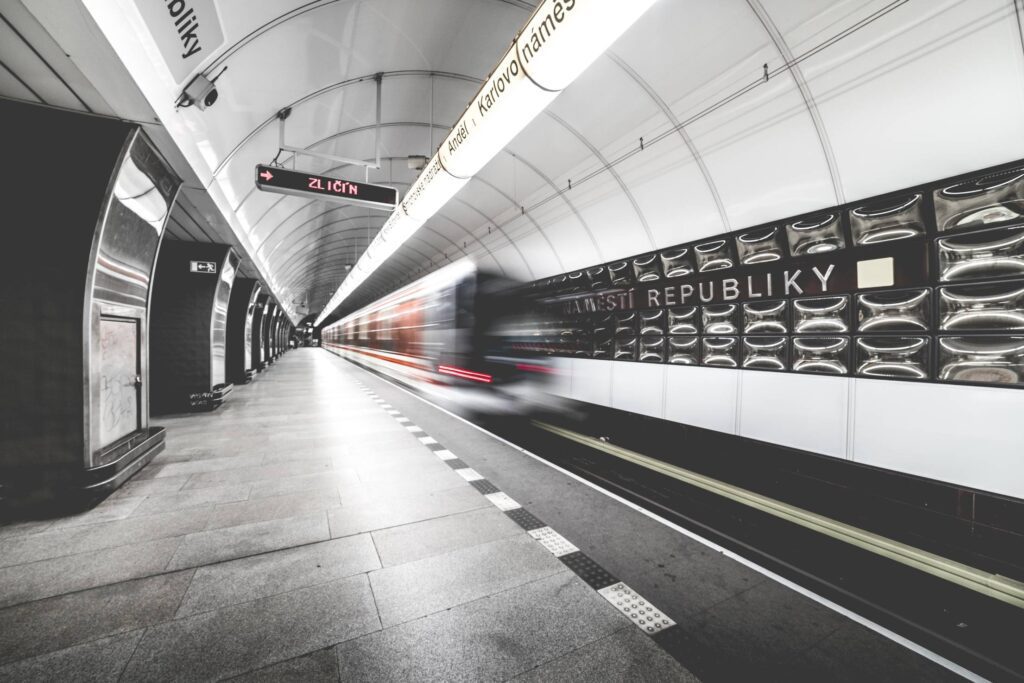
[{"x": 302, "y": 533}]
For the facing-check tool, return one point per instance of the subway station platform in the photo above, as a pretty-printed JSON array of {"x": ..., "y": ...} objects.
[{"x": 329, "y": 525}]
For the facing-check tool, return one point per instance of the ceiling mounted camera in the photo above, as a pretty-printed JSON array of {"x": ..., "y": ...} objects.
[{"x": 200, "y": 91}]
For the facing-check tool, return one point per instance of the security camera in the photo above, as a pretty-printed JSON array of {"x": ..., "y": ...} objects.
[{"x": 200, "y": 91}]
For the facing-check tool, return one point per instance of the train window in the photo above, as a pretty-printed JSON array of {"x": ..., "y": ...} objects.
[
  {"x": 720, "y": 319},
  {"x": 975, "y": 308},
  {"x": 683, "y": 350},
  {"x": 898, "y": 357},
  {"x": 902, "y": 311},
  {"x": 891, "y": 218},
  {"x": 715, "y": 255},
  {"x": 986, "y": 254},
  {"x": 647, "y": 268},
  {"x": 815, "y": 235},
  {"x": 764, "y": 353},
  {"x": 765, "y": 317},
  {"x": 983, "y": 201},
  {"x": 992, "y": 360},
  {"x": 821, "y": 355},
  {"x": 720, "y": 352},
  {"x": 760, "y": 246},
  {"x": 677, "y": 262},
  {"x": 821, "y": 315}
]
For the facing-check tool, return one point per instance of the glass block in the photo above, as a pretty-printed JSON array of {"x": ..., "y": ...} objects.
[
  {"x": 653, "y": 322},
  {"x": 991, "y": 360},
  {"x": 652, "y": 349},
  {"x": 815, "y": 235},
  {"x": 604, "y": 325},
  {"x": 575, "y": 281},
  {"x": 973, "y": 308},
  {"x": 765, "y": 317},
  {"x": 760, "y": 246},
  {"x": 720, "y": 351},
  {"x": 821, "y": 355},
  {"x": 647, "y": 268},
  {"x": 625, "y": 323},
  {"x": 824, "y": 315},
  {"x": 683, "y": 350},
  {"x": 984, "y": 201},
  {"x": 619, "y": 273},
  {"x": 720, "y": 319},
  {"x": 985, "y": 254},
  {"x": 903, "y": 311},
  {"x": 677, "y": 262},
  {"x": 682, "y": 320},
  {"x": 625, "y": 348},
  {"x": 603, "y": 347},
  {"x": 598, "y": 278},
  {"x": 714, "y": 255},
  {"x": 764, "y": 353},
  {"x": 898, "y": 357},
  {"x": 891, "y": 218}
]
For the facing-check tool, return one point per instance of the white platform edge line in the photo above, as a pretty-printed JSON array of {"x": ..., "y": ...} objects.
[{"x": 821, "y": 600}]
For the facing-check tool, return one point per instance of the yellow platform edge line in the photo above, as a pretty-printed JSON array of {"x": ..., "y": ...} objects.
[{"x": 995, "y": 586}]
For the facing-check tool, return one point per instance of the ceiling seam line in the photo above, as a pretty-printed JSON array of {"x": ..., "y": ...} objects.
[
  {"x": 46, "y": 63},
  {"x": 23, "y": 83},
  {"x": 685, "y": 136},
  {"x": 530, "y": 218},
  {"x": 490, "y": 222}
]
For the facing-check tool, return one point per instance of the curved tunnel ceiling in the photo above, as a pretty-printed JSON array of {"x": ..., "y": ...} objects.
[{"x": 748, "y": 111}]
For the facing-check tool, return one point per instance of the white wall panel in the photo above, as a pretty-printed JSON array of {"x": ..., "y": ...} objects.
[
  {"x": 613, "y": 220},
  {"x": 671, "y": 190},
  {"x": 702, "y": 397},
  {"x": 575, "y": 247},
  {"x": 965, "y": 435},
  {"x": 560, "y": 383},
  {"x": 592, "y": 381},
  {"x": 800, "y": 411},
  {"x": 638, "y": 388},
  {"x": 930, "y": 90}
]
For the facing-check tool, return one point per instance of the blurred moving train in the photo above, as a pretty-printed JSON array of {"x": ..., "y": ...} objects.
[{"x": 460, "y": 334}]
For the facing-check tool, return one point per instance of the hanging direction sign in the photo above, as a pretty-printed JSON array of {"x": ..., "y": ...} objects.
[{"x": 302, "y": 184}]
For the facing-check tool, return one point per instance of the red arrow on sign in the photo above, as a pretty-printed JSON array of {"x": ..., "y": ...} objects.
[{"x": 266, "y": 175}]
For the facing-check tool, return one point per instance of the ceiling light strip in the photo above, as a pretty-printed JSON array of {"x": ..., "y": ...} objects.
[{"x": 559, "y": 41}]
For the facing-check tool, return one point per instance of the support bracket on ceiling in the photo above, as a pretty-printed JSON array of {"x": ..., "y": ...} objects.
[{"x": 283, "y": 115}]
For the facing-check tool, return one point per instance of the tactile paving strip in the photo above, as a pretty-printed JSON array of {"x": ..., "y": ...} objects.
[
  {"x": 427, "y": 440},
  {"x": 435, "y": 446},
  {"x": 484, "y": 486},
  {"x": 445, "y": 454},
  {"x": 414, "y": 429},
  {"x": 525, "y": 519},
  {"x": 588, "y": 570},
  {"x": 456, "y": 464},
  {"x": 469, "y": 474},
  {"x": 553, "y": 541},
  {"x": 503, "y": 501},
  {"x": 639, "y": 611}
]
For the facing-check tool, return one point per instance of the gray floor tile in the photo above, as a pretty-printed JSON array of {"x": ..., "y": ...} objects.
[
  {"x": 57, "y": 623},
  {"x": 326, "y": 481},
  {"x": 274, "y": 507},
  {"x": 61, "y": 575},
  {"x": 628, "y": 655},
  {"x": 100, "y": 660},
  {"x": 250, "y": 578},
  {"x": 387, "y": 508},
  {"x": 412, "y": 542},
  {"x": 81, "y": 539},
  {"x": 21, "y": 528},
  {"x": 194, "y": 498},
  {"x": 109, "y": 510},
  {"x": 318, "y": 667},
  {"x": 248, "y": 539},
  {"x": 491, "y": 639},
  {"x": 415, "y": 589},
  {"x": 149, "y": 487},
  {"x": 260, "y": 473},
  {"x": 176, "y": 469},
  {"x": 237, "y": 639}
]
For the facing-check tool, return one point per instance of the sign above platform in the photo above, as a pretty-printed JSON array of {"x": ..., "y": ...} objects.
[{"x": 302, "y": 184}]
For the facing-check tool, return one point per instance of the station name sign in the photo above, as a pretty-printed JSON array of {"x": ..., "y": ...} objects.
[
  {"x": 832, "y": 273},
  {"x": 302, "y": 184}
]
